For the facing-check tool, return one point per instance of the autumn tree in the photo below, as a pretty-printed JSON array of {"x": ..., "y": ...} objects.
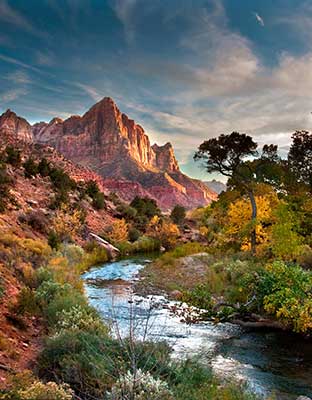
[
  {"x": 166, "y": 232},
  {"x": 119, "y": 231},
  {"x": 228, "y": 155}
]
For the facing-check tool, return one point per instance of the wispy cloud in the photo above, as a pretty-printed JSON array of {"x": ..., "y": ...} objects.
[
  {"x": 124, "y": 10},
  {"x": 91, "y": 91},
  {"x": 259, "y": 19},
  {"x": 12, "y": 94},
  {"x": 14, "y": 61},
  {"x": 11, "y": 16},
  {"x": 18, "y": 77}
]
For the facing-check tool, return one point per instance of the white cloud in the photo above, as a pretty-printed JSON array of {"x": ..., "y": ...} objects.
[{"x": 18, "y": 77}]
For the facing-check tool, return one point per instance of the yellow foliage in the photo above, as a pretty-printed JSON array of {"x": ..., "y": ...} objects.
[
  {"x": 119, "y": 232},
  {"x": 67, "y": 222},
  {"x": 166, "y": 232},
  {"x": 239, "y": 219},
  {"x": 63, "y": 272}
]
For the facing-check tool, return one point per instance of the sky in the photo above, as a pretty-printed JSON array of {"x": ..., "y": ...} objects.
[{"x": 186, "y": 70}]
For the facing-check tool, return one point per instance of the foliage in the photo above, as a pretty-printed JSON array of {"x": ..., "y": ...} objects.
[
  {"x": 141, "y": 386},
  {"x": 119, "y": 231},
  {"x": 199, "y": 296},
  {"x": 300, "y": 157},
  {"x": 44, "y": 167},
  {"x": 54, "y": 240},
  {"x": 286, "y": 292},
  {"x": 144, "y": 244},
  {"x": 13, "y": 156},
  {"x": 166, "y": 232},
  {"x": 61, "y": 180},
  {"x": 30, "y": 168},
  {"x": 67, "y": 222},
  {"x": 134, "y": 234},
  {"x": 45, "y": 391},
  {"x": 145, "y": 206},
  {"x": 5, "y": 182},
  {"x": 180, "y": 251},
  {"x": 98, "y": 199},
  {"x": 178, "y": 214}
]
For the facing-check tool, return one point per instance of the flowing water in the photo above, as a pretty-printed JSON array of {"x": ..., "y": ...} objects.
[{"x": 269, "y": 362}]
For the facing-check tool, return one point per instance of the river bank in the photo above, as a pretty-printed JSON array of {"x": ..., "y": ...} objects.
[{"x": 268, "y": 363}]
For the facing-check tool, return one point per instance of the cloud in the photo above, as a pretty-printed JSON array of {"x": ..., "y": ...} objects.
[
  {"x": 11, "y": 16},
  {"x": 259, "y": 19},
  {"x": 91, "y": 91},
  {"x": 11, "y": 95},
  {"x": 124, "y": 10},
  {"x": 18, "y": 77},
  {"x": 14, "y": 61}
]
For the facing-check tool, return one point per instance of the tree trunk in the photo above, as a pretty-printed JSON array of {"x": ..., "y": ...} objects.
[{"x": 253, "y": 238}]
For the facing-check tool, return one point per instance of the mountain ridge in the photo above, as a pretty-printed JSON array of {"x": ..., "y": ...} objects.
[{"x": 114, "y": 146}]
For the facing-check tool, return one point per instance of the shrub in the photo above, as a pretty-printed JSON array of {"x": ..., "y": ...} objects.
[
  {"x": 30, "y": 168},
  {"x": 199, "y": 297},
  {"x": 5, "y": 182},
  {"x": 166, "y": 232},
  {"x": 54, "y": 240},
  {"x": 67, "y": 222},
  {"x": 26, "y": 302},
  {"x": 61, "y": 180},
  {"x": 127, "y": 212},
  {"x": 98, "y": 201},
  {"x": 178, "y": 214},
  {"x": 36, "y": 219},
  {"x": 119, "y": 231},
  {"x": 286, "y": 293},
  {"x": 13, "y": 156},
  {"x": 45, "y": 391},
  {"x": 134, "y": 234},
  {"x": 44, "y": 167},
  {"x": 141, "y": 386},
  {"x": 92, "y": 189},
  {"x": 145, "y": 206},
  {"x": 82, "y": 318}
]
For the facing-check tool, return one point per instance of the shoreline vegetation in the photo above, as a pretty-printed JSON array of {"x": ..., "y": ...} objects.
[{"x": 79, "y": 358}]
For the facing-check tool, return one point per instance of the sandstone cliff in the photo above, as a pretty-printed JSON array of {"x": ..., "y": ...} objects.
[{"x": 114, "y": 146}]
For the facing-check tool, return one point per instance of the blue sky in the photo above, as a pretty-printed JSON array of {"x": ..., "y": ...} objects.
[{"x": 186, "y": 70}]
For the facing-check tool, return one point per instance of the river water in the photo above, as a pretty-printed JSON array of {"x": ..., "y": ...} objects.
[{"x": 268, "y": 362}]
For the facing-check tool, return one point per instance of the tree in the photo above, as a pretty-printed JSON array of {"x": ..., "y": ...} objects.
[
  {"x": 228, "y": 155},
  {"x": 300, "y": 157},
  {"x": 13, "y": 156},
  {"x": 119, "y": 231},
  {"x": 166, "y": 232},
  {"x": 145, "y": 206},
  {"x": 178, "y": 214},
  {"x": 44, "y": 167},
  {"x": 30, "y": 168}
]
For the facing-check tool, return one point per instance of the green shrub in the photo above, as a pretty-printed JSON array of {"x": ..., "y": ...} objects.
[
  {"x": 5, "y": 182},
  {"x": 181, "y": 251},
  {"x": 199, "y": 297},
  {"x": 61, "y": 180},
  {"x": 178, "y": 214},
  {"x": 98, "y": 201},
  {"x": 54, "y": 240},
  {"x": 13, "y": 156},
  {"x": 133, "y": 234},
  {"x": 145, "y": 206},
  {"x": 44, "y": 167},
  {"x": 27, "y": 302},
  {"x": 30, "y": 168}
]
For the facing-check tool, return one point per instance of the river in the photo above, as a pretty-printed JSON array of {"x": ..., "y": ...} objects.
[{"x": 268, "y": 362}]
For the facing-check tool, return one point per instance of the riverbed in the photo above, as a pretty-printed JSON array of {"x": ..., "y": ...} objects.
[{"x": 267, "y": 362}]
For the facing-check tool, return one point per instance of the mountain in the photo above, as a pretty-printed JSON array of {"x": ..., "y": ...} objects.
[
  {"x": 15, "y": 127},
  {"x": 215, "y": 185},
  {"x": 114, "y": 146}
]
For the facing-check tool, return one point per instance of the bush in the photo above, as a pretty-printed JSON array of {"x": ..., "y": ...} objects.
[
  {"x": 54, "y": 240},
  {"x": 61, "y": 180},
  {"x": 181, "y": 251},
  {"x": 286, "y": 293},
  {"x": 13, "y": 156},
  {"x": 134, "y": 234},
  {"x": 36, "y": 219},
  {"x": 145, "y": 206},
  {"x": 26, "y": 302},
  {"x": 44, "y": 167},
  {"x": 45, "y": 391},
  {"x": 178, "y": 214},
  {"x": 5, "y": 182},
  {"x": 98, "y": 201},
  {"x": 199, "y": 297},
  {"x": 141, "y": 386},
  {"x": 30, "y": 168}
]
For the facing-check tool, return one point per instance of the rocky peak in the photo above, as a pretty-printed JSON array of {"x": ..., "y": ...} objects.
[
  {"x": 165, "y": 158},
  {"x": 15, "y": 126}
]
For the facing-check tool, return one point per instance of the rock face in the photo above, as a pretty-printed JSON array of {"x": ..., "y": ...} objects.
[
  {"x": 118, "y": 149},
  {"x": 16, "y": 127},
  {"x": 215, "y": 185}
]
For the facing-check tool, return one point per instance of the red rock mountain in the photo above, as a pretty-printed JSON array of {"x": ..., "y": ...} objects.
[
  {"x": 14, "y": 126},
  {"x": 118, "y": 149}
]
